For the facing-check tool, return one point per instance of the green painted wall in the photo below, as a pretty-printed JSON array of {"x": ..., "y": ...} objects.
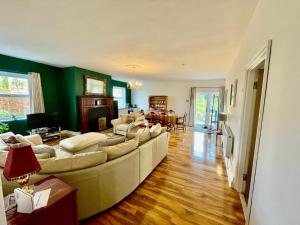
[
  {"x": 61, "y": 86},
  {"x": 75, "y": 77},
  {"x": 49, "y": 78}
]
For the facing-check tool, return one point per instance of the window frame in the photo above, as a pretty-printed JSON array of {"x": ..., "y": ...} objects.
[
  {"x": 17, "y": 75},
  {"x": 123, "y": 97}
]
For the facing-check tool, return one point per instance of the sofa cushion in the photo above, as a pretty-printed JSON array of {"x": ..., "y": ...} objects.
[
  {"x": 114, "y": 140},
  {"x": 124, "y": 118},
  {"x": 155, "y": 130},
  {"x": 39, "y": 149},
  {"x": 3, "y": 155},
  {"x": 116, "y": 151},
  {"x": 3, "y": 145},
  {"x": 79, "y": 142},
  {"x": 6, "y": 135},
  {"x": 122, "y": 127},
  {"x": 144, "y": 136},
  {"x": 74, "y": 162},
  {"x": 22, "y": 139}
]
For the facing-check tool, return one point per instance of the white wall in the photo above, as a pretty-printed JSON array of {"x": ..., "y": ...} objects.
[
  {"x": 178, "y": 92},
  {"x": 276, "y": 199}
]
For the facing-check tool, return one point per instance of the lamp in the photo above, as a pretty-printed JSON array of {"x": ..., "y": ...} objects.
[{"x": 20, "y": 164}]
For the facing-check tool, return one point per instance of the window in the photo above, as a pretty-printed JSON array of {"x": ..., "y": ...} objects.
[
  {"x": 14, "y": 96},
  {"x": 119, "y": 94}
]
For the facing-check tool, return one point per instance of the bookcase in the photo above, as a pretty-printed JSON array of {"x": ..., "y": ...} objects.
[{"x": 158, "y": 102}]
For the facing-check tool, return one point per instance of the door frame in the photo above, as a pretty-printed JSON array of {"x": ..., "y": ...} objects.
[{"x": 253, "y": 65}]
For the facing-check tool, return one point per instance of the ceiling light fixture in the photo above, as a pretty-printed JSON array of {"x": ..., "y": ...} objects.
[{"x": 133, "y": 84}]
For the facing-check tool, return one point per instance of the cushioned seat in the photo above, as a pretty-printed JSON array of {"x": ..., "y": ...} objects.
[{"x": 80, "y": 142}]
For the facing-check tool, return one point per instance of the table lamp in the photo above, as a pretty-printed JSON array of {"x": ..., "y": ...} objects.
[{"x": 20, "y": 164}]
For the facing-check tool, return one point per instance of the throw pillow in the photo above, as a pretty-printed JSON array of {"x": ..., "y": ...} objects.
[
  {"x": 130, "y": 119},
  {"x": 155, "y": 130},
  {"x": 144, "y": 136}
]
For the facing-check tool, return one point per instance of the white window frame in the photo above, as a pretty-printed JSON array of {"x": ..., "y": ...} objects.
[
  {"x": 18, "y": 75},
  {"x": 122, "y": 98}
]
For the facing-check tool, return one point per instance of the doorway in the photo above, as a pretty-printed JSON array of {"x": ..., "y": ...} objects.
[
  {"x": 255, "y": 108},
  {"x": 206, "y": 109},
  {"x": 250, "y": 128}
]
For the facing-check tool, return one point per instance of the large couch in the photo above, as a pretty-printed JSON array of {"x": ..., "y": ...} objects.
[{"x": 101, "y": 186}]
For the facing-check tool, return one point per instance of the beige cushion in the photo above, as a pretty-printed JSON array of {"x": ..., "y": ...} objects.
[
  {"x": 136, "y": 115},
  {"x": 70, "y": 163},
  {"x": 3, "y": 145},
  {"x": 79, "y": 142},
  {"x": 164, "y": 130},
  {"x": 122, "y": 127},
  {"x": 117, "y": 151},
  {"x": 6, "y": 135},
  {"x": 117, "y": 139},
  {"x": 140, "y": 118},
  {"x": 155, "y": 130},
  {"x": 124, "y": 118},
  {"x": 144, "y": 136},
  {"x": 3, "y": 155},
  {"x": 22, "y": 139},
  {"x": 40, "y": 149}
]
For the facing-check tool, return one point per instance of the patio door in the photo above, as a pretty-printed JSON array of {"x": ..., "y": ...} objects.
[{"x": 206, "y": 108}]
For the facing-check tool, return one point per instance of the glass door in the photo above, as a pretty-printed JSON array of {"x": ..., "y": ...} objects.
[{"x": 206, "y": 109}]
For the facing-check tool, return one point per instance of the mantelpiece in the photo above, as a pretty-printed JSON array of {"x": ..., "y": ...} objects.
[{"x": 86, "y": 103}]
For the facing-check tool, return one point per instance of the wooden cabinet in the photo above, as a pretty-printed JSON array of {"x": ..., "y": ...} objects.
[
  {"x": 158, "y": 102},
  {"x": 60, "y": 210}
]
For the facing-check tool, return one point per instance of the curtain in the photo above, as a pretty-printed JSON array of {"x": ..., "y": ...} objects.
[
  {"x": 36, "y": 93},
  {"x": 221, "y": 98},
  {"x": 192, "y": 106}
]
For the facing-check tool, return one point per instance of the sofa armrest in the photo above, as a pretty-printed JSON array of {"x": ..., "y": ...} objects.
[
  {"x": 35, "y": 139},
  {"x": 116, "y": 122}
]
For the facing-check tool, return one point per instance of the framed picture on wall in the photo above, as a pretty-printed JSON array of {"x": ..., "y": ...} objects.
[{"x": 233, "y": 91}]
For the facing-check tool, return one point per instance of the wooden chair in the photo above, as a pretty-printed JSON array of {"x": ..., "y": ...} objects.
[{"x": 181, "y": 123}]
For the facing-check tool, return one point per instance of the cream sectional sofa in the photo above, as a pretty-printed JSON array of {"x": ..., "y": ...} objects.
[{"x": 101, "y": 186}]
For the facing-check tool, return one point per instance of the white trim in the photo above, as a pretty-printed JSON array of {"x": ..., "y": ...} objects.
[
  {"x": 261, "y": 56},
  {"x": 11, "y": 74}
]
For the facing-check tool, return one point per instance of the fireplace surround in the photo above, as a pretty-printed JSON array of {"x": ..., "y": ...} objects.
[{"x": 93, "y": 107}]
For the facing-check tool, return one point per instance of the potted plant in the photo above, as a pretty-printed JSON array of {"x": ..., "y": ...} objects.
[{"x": 3, "y": 128}]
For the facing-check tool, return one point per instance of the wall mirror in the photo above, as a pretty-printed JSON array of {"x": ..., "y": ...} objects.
[{"x": 95, "y": 86}]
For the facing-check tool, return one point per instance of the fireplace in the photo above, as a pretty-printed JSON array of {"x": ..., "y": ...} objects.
[
  {"x": 96, "y": 115},
  {"x": 91, "y": 108}
]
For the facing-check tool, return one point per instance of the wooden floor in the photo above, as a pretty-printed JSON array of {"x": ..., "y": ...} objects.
[{"x": 188, "y": 187}]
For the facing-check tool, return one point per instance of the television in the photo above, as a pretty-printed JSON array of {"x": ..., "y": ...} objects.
[{"x": 39, "y": 120}]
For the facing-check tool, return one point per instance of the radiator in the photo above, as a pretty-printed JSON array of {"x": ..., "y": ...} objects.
[{"x": 227, "y": 140}]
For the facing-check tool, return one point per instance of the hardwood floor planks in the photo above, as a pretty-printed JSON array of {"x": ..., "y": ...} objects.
[{"x": 189, "y": 187}]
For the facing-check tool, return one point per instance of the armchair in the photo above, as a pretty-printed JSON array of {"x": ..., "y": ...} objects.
[{"x": 123, "y": 125}]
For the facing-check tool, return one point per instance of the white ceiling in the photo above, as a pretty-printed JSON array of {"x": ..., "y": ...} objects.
[{"x": 107, "y": 35}]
